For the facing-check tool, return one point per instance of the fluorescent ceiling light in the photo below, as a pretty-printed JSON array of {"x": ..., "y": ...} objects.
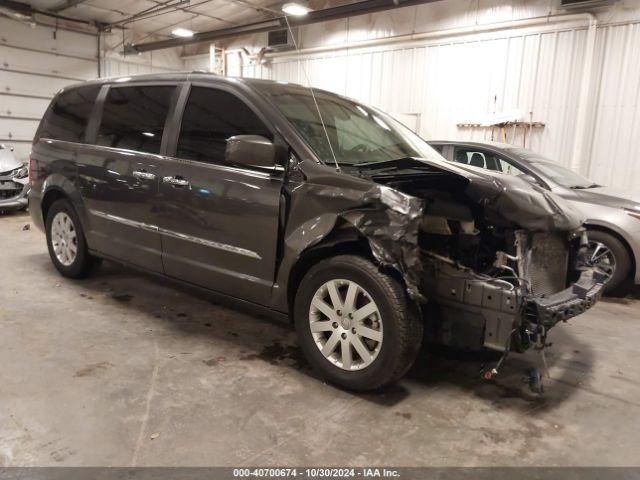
[
  {"x": 182, "y": 32},
  {"x": 295, "y": 9}
]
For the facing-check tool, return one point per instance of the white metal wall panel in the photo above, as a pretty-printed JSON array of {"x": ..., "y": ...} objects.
[
  {"x": 537, "y": 71},
  {"x": 460, "y": 81},
  {"x": 35, "y": 63},
  {"x": 14, "y": 58},
  {"x": 30, "y": 84},
  {"x": 22, "y": 106},
  {"x": 615, "y": 148},
  {"x": 43, "y": 38}
]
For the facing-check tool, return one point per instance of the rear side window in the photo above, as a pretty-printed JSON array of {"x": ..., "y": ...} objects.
[
  {"x": 134, "y": 117},
  {"x": 67, "y": 117},
  {"x": 210, "y": 117}
]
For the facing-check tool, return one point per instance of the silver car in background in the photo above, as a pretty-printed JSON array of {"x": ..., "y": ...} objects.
[
  {"x": 14, "y": 181},
  {"x": 612, "y": 216}
]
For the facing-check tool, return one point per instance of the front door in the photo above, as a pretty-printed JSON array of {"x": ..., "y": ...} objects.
[
  {"x": 219, "y": 222},
  {"x": 118, "y": 175}
]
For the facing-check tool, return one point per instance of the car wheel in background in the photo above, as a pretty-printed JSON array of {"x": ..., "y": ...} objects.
[
  {"x": 66, "y": 241},
  {"x": 355, "y": 325},
  {"x": 610, "y": 256}
]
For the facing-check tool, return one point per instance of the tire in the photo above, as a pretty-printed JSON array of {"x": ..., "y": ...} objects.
[
  {"x": 394, "y": 324},
  {"x": 617, "y": 284},
  {"x": 80, "y": 264}
]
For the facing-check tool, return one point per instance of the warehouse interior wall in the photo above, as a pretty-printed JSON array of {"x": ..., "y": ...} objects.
[
  {"x": 38, "y": 61},
  {"x": 453, "y": 62},
  {"x": 435, "y": 67}
]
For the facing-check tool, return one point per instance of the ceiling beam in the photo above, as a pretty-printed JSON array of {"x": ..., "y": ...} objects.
[{"x": 317, "y": 16}]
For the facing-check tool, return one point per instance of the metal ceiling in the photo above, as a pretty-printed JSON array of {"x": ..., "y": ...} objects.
[
  {"x": 147, "y": 20},
  {"x": 156, "y": 17},
  {"x": 275, "y": 23}
]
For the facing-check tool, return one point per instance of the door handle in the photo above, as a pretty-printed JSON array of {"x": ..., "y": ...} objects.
[
  {"x": 178, "y": 182},
  {"x": 143, "y": 175}
]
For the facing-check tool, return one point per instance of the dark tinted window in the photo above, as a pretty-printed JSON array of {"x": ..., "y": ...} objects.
[
  {"x": 212, "y": 116},
  {"x": 68, "y": 116},
  {"x": 133, "y": 117}
]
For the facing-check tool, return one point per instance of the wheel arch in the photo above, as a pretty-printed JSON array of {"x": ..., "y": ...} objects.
[
  {"x": 58, "y": 186},
  {"x": 341, "y": 241},
  {"x": 51, "y": 195}
]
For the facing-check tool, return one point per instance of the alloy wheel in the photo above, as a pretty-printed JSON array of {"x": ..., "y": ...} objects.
[
  {"x": 64, "y": 238},
  {"x": 601, "y": 257},
  {"x": 346, "y": 324}
]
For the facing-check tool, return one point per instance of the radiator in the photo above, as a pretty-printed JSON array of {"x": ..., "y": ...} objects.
[{"x": 544, "y": 262}]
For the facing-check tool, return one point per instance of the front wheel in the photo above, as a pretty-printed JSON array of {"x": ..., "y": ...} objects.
[{"x": 355, "y": 324}]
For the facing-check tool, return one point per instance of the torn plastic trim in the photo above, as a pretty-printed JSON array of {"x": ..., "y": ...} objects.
[{"x": 561, "y": 306}]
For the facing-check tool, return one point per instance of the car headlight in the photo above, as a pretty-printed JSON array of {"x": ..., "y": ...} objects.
[{"x": 21, "y": 172}]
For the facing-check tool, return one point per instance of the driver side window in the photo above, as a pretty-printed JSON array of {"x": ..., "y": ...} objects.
[{"x": 210, "y": 118}]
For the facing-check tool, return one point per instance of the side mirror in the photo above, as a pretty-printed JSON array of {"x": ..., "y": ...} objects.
[{"x": 253, "y": 151}]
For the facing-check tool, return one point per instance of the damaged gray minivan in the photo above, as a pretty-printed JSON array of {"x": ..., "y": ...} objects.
[{"x": 316, "y": 209}]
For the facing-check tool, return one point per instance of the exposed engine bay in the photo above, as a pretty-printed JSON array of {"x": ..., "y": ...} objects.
[{"x": 494, "y": 280}]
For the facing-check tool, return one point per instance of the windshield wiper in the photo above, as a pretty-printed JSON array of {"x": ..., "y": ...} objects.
[
  {"x": 584, "y": 187},
  {"x": 395, "y": 163}
]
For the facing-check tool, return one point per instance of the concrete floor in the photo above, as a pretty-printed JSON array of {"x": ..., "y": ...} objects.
[{"x": 122, "y": 370}]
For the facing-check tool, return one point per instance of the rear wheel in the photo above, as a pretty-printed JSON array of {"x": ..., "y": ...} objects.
[
  {"x": 355, "y": 324},
  {"x": 66, "y": 241},
  {"x": 610, "y": 256}
]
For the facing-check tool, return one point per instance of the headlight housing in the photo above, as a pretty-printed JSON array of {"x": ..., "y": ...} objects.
[{"x": 21, "y": 172}]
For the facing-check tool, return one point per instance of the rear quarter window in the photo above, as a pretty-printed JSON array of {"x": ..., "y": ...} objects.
[{"x": 68, "y": 115}]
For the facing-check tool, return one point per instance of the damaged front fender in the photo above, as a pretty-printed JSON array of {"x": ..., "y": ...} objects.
[{"x": 387, "y": 219}]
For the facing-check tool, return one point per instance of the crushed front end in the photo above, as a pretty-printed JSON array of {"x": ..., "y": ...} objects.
[
  {"x": 501, "y": 261},
  {"x": 512, "y": 304},
  {"x": 14, "y": 189}
]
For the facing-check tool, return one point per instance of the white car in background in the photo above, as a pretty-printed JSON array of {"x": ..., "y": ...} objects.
[{"x": 14, "y": 181}]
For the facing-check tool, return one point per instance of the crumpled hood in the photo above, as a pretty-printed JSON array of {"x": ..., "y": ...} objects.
[
  {"x": 512, "y": 198},
  {"x": 530, "y": 206}
]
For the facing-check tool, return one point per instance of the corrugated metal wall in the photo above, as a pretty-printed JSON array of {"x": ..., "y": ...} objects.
[
  {"x": 615, "y": 128},
  {"x": 460, "y": 81},
  {"x": 536, "y": 71}
]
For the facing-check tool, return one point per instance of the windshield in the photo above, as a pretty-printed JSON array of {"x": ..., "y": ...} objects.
[
  {"x": 358, "y": 134},
  {"x": 559, "y": 174}
]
